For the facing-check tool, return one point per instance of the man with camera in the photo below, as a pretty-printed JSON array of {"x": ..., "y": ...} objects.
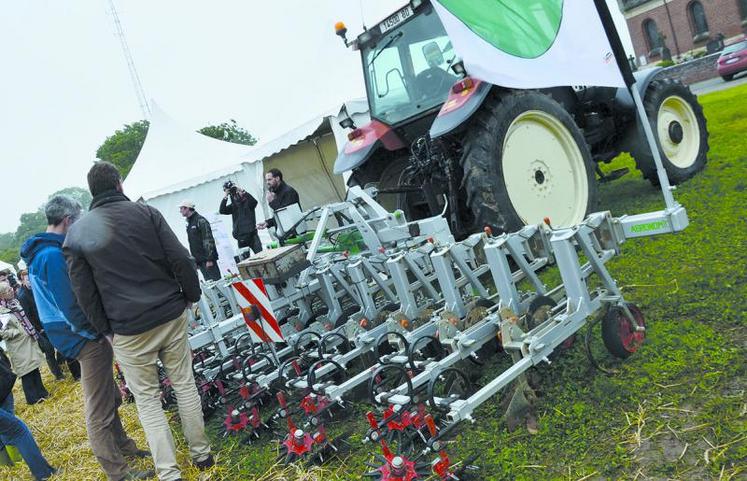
[{"x": 241, "y": 210}]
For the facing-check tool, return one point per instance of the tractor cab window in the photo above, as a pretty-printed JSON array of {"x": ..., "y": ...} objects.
[{"x": 408, "y": 69}]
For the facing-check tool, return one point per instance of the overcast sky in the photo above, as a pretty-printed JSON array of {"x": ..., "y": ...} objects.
[{"x": 65, "y": 87}]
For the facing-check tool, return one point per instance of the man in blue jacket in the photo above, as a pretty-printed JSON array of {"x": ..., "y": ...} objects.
[{"x": 72, "y": 334}]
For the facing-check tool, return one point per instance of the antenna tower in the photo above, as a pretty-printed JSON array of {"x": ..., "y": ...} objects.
[{"x": 134, "y": 77}]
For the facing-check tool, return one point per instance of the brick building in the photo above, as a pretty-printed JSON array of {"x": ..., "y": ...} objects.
[{"x": 681, "y": 25}]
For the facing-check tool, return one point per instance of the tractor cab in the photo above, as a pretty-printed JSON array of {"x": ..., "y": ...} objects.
[
  {"x": 409, "y": 66},
  {"x": 407, "y": 62}
]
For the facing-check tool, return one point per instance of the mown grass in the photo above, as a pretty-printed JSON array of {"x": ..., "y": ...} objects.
[{"x": 676, "y": 409}]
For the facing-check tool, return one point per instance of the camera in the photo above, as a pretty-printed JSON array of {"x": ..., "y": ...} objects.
[{"x": 230, "y": 187}]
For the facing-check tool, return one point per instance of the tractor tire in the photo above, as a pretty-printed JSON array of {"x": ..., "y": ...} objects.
[
  {"x": 525, "y": 160},
  {"x": 679, "y": 125}
]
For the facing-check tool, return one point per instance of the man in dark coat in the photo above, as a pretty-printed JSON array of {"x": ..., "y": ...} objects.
[
  {"x": 279, "y": 195},
  {"x": 201, "y": 241},
  {"x": 134, "y": 281},
  {"x": 241, "y": 210}
]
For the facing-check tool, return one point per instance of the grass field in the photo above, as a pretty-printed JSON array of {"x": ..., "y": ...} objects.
[{"x": 677, "y": 409}]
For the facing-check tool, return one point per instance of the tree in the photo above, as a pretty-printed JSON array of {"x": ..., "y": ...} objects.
[
  {"x": 230, "y": 132},
  {"x": 6, "y": 241},
  {"x": 31, "y": 223},
  {"x": 123, "y": 147},
  {"x": 35, "y": 222},
  {"x": 77, "y": 193}
]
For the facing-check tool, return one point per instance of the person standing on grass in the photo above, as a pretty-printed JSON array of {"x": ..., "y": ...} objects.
[
  {"x": 201, "y": 241},
  {"x": 13, "y": 431},
  {"x": 54, "y": 358},
  {"x": 134, "y": 281},
  {"x": 72, "y": 334},
  {"x": 22, "y": 344}
]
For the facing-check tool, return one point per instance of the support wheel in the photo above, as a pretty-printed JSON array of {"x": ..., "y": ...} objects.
[
  {"x": 386, "y": 379},
  {"x": 679, "y": 126},
  {"x": 526, "y": 159},
  {"x": 619, "y": 336},
  {"x": 450, "y": 385}
]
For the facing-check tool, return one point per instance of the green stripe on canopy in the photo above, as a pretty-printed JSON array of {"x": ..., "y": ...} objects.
[{"x": 522, "y": 28}]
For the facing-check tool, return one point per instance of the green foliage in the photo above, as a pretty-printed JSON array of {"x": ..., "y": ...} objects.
[
  {"x": 78, "y": 193},
  {"x": 6, "y": 240},
  {"x": 31, "y": 223},
  {"x": 35, "y": 222},
  {"x": 123, "y": 147},
  {"x": 665, "y": 63},
  {"x": 230, "y": 132}
]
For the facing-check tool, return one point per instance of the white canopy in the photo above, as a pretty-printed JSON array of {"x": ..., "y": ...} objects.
[
  {"x": 174, "y": 155},
  {"x": 4, "y": 266},
  {"x": 177, "y": 163}
]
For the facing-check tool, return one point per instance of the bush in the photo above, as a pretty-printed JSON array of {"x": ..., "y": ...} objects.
[{"x": 665, "y": 63}]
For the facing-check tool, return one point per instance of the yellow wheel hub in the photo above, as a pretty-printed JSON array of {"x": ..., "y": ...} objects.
[
  {"x": 544, "y": 170},
  {"x": 678, "y": 131}
]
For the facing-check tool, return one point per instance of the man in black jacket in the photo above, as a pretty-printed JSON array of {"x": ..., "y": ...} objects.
[
  {"x": 134, "y": 281},
  {"x": 279, "y": 195},
  {"x": 201, "y": 241},
  {"x": 241, "y": 210}
]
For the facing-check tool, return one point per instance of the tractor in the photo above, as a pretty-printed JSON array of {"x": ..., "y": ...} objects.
[{"x": 442, "y": 141}]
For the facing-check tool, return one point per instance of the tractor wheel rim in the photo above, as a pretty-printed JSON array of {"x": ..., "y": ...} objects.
[
  {"x": 678, "y": 131},
  {"x": 544, "y": 170}
]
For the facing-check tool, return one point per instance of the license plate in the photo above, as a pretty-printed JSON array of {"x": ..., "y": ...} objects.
[
  {"x": 732, "y": 60},
  {"x": 396, "y": 19}
]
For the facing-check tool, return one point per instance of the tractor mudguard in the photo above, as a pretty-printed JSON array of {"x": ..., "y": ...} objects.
[
  {"x": 369, "y": 138},
  {"x": 642, "y": 80},
  {"x": 459, "y": 107}
]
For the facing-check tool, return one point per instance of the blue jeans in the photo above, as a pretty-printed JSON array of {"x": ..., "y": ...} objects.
[{"x": 14, "y": 432}]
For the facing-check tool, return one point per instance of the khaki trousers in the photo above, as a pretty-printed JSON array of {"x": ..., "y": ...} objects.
[
  {"x": 137, "y": 356},
  {"x": 108, "y": 439}
]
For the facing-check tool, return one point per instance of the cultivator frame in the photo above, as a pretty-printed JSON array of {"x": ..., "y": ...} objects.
[{"x": 406, "y": 304}]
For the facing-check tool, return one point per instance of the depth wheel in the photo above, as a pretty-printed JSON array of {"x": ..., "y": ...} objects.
[
  {"x": 385, "y": 340},
  {"x": 336, "y": 375},
  {"x": 680, "y": 129},
  {"x": 450, "y": 384},
  {"x": 619, "y": 336},
  {"x": 526, "y": 159},
  {"x": 387, "y": 378}
]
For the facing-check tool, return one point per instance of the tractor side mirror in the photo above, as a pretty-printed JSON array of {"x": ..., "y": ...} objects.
[{"x": 347, "y": 121}]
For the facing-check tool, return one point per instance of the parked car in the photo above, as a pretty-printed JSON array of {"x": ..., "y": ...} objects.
[{"x": 733, "y": 60}]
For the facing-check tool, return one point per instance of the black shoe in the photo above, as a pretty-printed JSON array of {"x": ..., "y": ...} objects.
[
  {"x": 207, "y": 463},
  {"x": 141, "y": 453}
]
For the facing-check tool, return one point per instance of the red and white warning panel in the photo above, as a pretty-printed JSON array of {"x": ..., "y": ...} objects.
[{"x": 251, "y": 296}]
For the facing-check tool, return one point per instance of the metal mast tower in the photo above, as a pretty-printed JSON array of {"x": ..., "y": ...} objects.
[{"x": 134, "y": 77}]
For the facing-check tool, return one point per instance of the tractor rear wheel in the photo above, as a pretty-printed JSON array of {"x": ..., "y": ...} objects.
[
  {"x": 679, "y": 126},
  {"x": 524, "y": 160}
]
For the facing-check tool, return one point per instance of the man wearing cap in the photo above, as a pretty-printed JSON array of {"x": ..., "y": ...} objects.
[{"x": 201, "y": 241}]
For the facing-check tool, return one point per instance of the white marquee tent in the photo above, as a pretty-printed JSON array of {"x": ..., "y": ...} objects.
[{"x": 177, "y": 163}]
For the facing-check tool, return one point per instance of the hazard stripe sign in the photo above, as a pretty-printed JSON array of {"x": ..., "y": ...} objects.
[{"x": 251, "y": 296}]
